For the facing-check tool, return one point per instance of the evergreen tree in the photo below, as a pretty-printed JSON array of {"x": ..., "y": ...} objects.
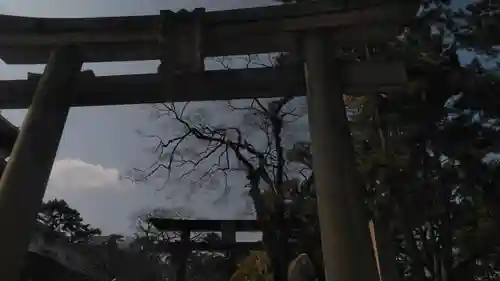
[{"x": 59, "y": 217}]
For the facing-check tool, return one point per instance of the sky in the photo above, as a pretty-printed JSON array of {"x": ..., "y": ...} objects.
[{"x": 101, "y": 143}]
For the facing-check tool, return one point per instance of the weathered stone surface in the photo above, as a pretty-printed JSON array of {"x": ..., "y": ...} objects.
[{"x": 301, "y": 269}]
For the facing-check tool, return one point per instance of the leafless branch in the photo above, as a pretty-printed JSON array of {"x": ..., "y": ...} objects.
[{"x": 227, "y": 149}]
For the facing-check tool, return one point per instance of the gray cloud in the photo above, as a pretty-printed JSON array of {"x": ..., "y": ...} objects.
[
  {"x": 100, "y": 142},
  {"x": 107, "y": 202}
]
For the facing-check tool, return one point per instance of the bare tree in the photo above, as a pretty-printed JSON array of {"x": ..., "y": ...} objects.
[{"x": 252, "y": 148}]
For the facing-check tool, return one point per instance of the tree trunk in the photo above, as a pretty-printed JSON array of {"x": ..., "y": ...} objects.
[{"x": 271, "y": 232}]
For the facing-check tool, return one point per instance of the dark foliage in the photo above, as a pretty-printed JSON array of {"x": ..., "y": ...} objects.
[{"x": 59, "y": 217}]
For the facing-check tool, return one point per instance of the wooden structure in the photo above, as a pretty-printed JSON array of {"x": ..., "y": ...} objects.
[
  {"x": 8, "y": 136},
  {"x": 359, "y": 78},
  {"x": 311, "y": 31},
  {"x": 243, "y": 31},
  {"x": 38, "y": 267},
  {"x": 183, "y": 248},
  {"x": 228, "y": 228},
  {"x": 52, "y": 257}
]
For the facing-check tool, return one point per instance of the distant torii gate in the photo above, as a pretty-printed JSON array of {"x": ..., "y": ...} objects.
[
  {"x": 313, "y": 31},
  {"x": 181, "y": 249}
]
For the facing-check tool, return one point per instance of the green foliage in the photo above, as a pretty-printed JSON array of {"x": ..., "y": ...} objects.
[
  {"x": 254, "y": 267},
  {"x": 423, "y": 153},
  {"x": 478, "y": 27}
]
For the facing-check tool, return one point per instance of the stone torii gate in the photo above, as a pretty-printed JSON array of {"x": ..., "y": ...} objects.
[{"x": 312, "y": 31}]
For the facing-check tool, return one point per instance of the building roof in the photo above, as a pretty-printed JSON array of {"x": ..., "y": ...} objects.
[
  {"x": 55, "y": 246},
  {"x": 8, "y": 134},
  {"x": 41, "y": 268}
]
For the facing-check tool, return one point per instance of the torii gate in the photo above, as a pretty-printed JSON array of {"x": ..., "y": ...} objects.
[{"x": 313, "y": 31}]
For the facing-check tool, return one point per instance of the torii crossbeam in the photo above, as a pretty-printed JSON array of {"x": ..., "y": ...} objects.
[{"x": 181, "y": 41}]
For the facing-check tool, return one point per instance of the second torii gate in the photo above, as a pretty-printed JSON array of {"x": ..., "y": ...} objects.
[{"x": 182, "y": 40}]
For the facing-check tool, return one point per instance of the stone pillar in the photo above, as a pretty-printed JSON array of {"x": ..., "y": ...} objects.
[
  {"x": 181, "y": 42},
  {"x": 229, "y": 238},
  {"x": 345, "y": 236},
  {"x": 24, "y": 181},
  {"x": 301, "y": 269},
  {"x": 182, "y": 255}
]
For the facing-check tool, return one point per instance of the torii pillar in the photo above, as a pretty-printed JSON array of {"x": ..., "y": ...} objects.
[
  {"x": 345, "y": 237},
  {"x": 24, "y": 181}
]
